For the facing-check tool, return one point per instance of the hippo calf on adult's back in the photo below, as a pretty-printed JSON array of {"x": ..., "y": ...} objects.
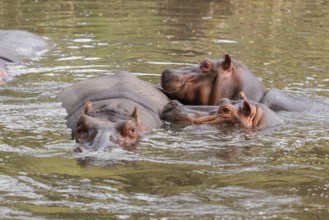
[
  {"x": 16, "y": 45},
  {"x": 112, "y": 111}
]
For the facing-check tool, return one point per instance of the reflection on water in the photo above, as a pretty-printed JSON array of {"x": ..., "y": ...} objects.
[{"x": 176, "y": 172}]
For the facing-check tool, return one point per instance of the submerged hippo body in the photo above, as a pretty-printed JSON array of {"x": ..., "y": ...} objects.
[
  {"x": 112, "y": 110},
  {"x": 248, "y": 114},
  {"x": 16, "y": 45},
  {"x": 211, "y": 81},
  {"x": 278, "y": 100}
]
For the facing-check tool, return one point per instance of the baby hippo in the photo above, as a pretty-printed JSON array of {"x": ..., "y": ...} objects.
[{"x": 248, "y": 114}]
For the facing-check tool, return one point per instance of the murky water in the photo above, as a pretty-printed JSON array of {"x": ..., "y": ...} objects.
[{"x": 194, "y": 172}]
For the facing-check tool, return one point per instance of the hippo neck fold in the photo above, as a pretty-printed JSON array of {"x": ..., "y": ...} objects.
[{"x": 214, "y": 94}]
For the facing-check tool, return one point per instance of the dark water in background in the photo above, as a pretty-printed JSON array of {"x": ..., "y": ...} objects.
[{"x": 196, "y": 172}]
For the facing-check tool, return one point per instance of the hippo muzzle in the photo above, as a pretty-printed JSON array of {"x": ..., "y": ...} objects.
[
  {"x": 170, "y": 81},
  {"x": 99, "y": 134},
  {"x": 99, "y": 140}
]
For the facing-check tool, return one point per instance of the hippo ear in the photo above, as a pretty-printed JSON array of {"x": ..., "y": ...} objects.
[
  {"x": 88, "y": 108},
  {"x": 243, "y": 96},
  {"x": 227, "y": 62},
  {"x": 135, "y": 114},
  {"x": 246, "y": 108}
]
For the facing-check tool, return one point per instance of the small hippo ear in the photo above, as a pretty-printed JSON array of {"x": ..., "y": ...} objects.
[
  {"x": 227, "y": 62},
  {"x": 243, "y": 96},
  {"x": 246, "y": 108},
  {"x": 88, "y": 107},
  {"x": 135, "y": 114}
]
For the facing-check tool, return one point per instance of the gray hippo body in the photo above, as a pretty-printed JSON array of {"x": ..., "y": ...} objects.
[
  {"x": 17, "y": 45},
  {"x": 278, "y": 100},
  {"x": 112, "y": 110}
]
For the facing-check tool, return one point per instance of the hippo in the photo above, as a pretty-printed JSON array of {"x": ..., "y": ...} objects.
[
  {"x": 16, "y": 45},
  {"x": 248, "y": 114},
  {"x": 110, "y": 111},
  {"x": 212, "y": 80},
  {"x": 209, "y": 82},
  {"x": 278, "y": 100}
]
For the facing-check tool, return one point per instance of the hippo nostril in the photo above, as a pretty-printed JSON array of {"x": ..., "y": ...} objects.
[{"x": 112, "y": 139}]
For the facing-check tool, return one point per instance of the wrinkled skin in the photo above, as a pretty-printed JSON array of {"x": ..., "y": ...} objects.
[
  {"x": 247, "y": 114},
  {"x": 16, "y": 45},
  {"x": 211, "y": 81},
  {"x": 112, "y": 111}
]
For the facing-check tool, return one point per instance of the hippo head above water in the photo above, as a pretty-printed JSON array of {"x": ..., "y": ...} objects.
[
  {"x": 112, "y": 111},
  {"x": 245, "y": 113},
  {"x": 212, "y": 80},
  {"x": 94, "y": 131}
]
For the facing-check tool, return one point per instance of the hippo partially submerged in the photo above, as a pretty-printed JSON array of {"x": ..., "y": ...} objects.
[
  {"x": 112, "y": 111},
  {"x": 16, "y": 45},
  {"x": 209, "y": 82},
  {"x": 212, "y": 80},
  {"x": 248, "y": 114}
]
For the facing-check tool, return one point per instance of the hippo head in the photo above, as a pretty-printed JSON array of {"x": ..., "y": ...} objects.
[
  {"x": 93, "y": 133},
  {"x": 197, "y": 84},
  {"x": 242, "y": 112},
  {"x": 210, "y": 81}
]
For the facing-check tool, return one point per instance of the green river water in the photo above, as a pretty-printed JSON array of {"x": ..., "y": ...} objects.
[{"x": 193, "y": 172}]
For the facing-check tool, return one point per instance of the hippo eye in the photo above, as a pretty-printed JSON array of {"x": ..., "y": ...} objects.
[
  {"x": 225, "y": 110},
  {"x": 206, "y": 66}
]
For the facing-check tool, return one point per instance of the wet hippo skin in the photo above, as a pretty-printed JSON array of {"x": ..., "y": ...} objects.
[
  {"x": 16, "y": 45},
  {"x": 112, "y": 111},
  {"x": 248, "y": 114},
  {"x": 278, "y": 100},
  {"x": 212, "y": 80}
]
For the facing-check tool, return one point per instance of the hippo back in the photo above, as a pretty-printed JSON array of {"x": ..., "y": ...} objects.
[
  {"x": 18, "y": 44},
  {"x": 120, "y": 92}
]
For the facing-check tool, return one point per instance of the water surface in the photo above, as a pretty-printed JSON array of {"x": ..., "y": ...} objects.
[{"x": 193, "y": 172}]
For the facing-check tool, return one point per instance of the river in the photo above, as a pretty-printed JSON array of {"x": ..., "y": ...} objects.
[{"x": 191, "y": 172}]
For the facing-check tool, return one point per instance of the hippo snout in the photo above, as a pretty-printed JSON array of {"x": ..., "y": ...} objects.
[
  {"x": 169, "y": 80},
  {"x": 103, "y": 140},
  {"x": 166, "y": 76}
]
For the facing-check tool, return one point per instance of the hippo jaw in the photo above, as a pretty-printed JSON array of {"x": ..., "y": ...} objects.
[{"x": 100, "y": 134}]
